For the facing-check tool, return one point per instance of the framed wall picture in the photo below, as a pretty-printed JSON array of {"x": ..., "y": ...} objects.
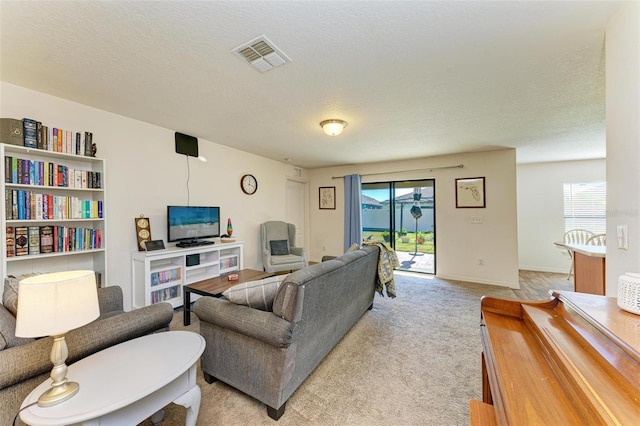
[
  {"x": 470, "y": 193},
  {"x": 327, "y": 198}
]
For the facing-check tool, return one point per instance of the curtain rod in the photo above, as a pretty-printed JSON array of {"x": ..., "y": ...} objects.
[{"x": 430, "y": 169}]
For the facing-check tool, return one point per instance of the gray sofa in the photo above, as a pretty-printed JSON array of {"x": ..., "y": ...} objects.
[
  {"x": 25, "y": 366},
  {"x": 267, "y": 355}
]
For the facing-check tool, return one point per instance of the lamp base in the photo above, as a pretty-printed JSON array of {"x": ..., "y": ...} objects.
[{"x": 57, "y": 394}]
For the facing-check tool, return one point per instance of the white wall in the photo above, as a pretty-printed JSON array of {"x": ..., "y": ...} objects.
[
  {"x": 623, "y": 141},
  {"x": 541, "y": 210},
  {"x": 459, "y": 244},
  {"x": 144, "y": 175}
]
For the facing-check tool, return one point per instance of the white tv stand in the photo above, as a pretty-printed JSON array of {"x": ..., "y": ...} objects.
[{"x": 158, "y": 276}]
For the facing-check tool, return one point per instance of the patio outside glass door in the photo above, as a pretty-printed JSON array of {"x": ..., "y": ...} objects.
[{"x": 402, "y": 214}]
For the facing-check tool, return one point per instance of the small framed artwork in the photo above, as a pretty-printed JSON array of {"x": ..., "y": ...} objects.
[
  {"x": 470, "y": 193},
  {"x": 327, "y": 198}
]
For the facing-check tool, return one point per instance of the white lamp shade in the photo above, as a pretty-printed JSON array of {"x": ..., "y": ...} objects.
[{"x": 52, "y": 304}]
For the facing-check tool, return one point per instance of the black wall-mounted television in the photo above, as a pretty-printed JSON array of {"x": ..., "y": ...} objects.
[{"x": 190, "y": 223}]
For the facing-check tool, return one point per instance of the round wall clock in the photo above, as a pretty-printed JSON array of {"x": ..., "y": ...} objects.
[
  {"x": 143, "y": 231},
  {"x": 249, "y": 184}
]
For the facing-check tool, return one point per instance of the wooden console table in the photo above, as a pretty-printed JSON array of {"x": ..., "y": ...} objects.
[{"x": 574, "y": 359}]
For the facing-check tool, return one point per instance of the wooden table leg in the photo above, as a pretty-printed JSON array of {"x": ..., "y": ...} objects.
[{"x": 186, "y": 307}]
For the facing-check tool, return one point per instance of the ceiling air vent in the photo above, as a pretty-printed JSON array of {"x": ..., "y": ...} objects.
[{"x": 261, "y": 54}]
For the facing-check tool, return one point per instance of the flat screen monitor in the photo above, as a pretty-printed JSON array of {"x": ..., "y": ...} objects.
[{"x": 189, "y": 223}]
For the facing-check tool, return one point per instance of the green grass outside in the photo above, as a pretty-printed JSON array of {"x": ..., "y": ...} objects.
[{"x": 409, "y": 246}]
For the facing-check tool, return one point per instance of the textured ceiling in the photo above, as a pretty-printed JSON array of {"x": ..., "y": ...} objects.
[{"x": 413, "y": 79}]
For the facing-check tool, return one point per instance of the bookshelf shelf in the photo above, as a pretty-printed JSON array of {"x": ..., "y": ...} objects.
[
  {"x": 76, "y": 229},
  {"x": 171, "y": 263}
]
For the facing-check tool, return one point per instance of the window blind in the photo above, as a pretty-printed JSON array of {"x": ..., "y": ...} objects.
[{"x": 585, "y": 206}]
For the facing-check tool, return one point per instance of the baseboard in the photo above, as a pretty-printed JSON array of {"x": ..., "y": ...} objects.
[
  {"x": 544, "y": 269},
  {"x": 475, "y": 280}
]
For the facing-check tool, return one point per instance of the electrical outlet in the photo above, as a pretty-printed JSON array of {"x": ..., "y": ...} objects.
[
  {"x": 476, "y": 220},
  {"x": 623, "y": 238}
]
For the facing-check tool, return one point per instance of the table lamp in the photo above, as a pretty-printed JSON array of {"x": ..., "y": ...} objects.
[{"x": 51, "y": 305}]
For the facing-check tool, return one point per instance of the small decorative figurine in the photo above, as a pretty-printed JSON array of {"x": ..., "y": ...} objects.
[{"x": 229, "y": 227}]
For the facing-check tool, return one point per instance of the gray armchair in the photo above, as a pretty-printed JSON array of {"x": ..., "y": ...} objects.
[{"x": 278, "y": 247}]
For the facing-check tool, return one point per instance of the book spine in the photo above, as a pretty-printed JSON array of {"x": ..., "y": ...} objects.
[
  {"x": 45, "y": 206},
  {"x": 11, "y": 241},
  {"x": 78, "y": 142},
  {"x": 26, "y": 171},
  {"x": 14, "y": 205},
  {"x": 32, "y": 172},
  {"x": 50, "y": 206},
  {"x": 14, "y": 170},
  {"x": 22, "y": 240},
  {"x": 30, "y": 133},
  {"x": 21, "y": 204},
  {"x": 34, "y": 240},
  {"x": 7, "y": 168},
  {"x": 70, "y": 142},
  {"x": 45, "y": 137},
  {"x": 39, "y": 201},
  {"x": 39, "y": 137},
  {"x": 8, "y": 202},
  {"x": 46, "y": 239},
  {"x": 59, "y": 141},
  {"x": 19, "y": 172}
]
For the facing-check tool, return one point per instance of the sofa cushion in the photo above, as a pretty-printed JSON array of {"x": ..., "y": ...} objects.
[
  {"x": 257, "y": 294},
  {"x": 8, "y": 337}
]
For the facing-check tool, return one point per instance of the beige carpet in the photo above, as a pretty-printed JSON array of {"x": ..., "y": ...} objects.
[{"x": 412, "y": 360}]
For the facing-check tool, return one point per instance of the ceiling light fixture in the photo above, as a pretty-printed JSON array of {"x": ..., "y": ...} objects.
[{"x": 333, "y": 127}]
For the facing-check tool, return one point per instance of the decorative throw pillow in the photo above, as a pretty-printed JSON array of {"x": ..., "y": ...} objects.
[
  {"x": 255, "y": 294},
  {"x": 279, "y": 247},
  {"x": 10, "y": 295},
  {"x": 8, "y": 337},
  {"x": 353, "y": 247}
]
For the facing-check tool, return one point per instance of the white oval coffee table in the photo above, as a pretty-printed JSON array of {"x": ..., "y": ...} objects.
[{"x": 126, "y": 383}]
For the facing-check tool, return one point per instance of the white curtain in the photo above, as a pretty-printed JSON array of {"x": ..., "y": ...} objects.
[{"x": 352, "y": 210}]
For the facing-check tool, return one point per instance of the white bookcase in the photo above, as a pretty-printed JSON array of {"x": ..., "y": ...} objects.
[
  {"x": 158, "y": 276},
  {"x": 71, "y": 256}
]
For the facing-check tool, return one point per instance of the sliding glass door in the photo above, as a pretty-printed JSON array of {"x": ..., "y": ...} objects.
[{"x": 402, "y": 213}]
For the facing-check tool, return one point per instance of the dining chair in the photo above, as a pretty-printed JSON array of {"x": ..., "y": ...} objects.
[{"x": 597, "y": 240}]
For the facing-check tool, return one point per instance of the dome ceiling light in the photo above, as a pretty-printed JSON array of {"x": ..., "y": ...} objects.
[{"x": 333, "y": 127}]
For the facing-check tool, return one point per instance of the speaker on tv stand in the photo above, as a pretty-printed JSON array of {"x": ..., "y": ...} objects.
[{"x": 193, "y": 259}]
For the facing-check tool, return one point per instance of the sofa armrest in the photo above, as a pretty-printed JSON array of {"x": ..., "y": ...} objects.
[
  {"x": 110, "y": 299},
  {"x": 32, "y": 359},
  {"x": 260, "y": 325}
]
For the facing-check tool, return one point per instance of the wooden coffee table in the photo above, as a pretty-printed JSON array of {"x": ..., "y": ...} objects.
[{"x": 215, "y": 286}]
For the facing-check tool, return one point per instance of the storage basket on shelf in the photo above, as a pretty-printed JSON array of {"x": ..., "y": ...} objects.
[{"x": 629, "y": 292}]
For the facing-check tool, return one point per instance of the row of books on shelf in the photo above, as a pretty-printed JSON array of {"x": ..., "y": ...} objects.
[
  {"x": 164, "y": 294},
  {"x": 44, "y": 173},
  {"x": 33, "y": 134},
  {"x": 162, "y": 277},
  {"x": 228, "y": 262},
  {"x": 24, "y": 240},
  {"x": 28, "y": 205}
]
